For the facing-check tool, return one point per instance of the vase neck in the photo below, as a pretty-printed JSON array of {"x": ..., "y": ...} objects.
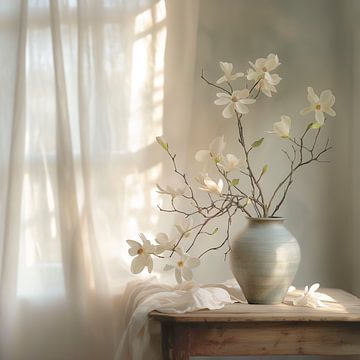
[{"x": 272, "y": 220}]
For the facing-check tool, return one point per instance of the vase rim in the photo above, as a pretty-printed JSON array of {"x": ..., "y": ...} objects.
[{"x": 265, "y": 219}]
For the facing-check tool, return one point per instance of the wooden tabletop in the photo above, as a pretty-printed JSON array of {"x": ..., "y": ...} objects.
[
  {"x": 340, "y": 306},
  {"x": 284, "y": 329}
]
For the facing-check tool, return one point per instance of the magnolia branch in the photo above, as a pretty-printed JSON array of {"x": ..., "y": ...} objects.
[{"x": 312, "y": 157}]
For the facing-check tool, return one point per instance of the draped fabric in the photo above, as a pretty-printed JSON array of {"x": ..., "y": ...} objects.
[{"x": 86, "y": 87}]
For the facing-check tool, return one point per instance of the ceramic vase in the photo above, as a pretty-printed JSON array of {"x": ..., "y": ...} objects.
[{"x": 264, "y": 259}]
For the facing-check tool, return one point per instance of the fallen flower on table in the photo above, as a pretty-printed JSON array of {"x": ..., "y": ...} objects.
[{"x": 309, "y": 298}]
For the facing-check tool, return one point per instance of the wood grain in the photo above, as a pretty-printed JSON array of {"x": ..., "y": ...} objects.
[
  {"x": 343, "y": 307},
  {"x": 242, "y": 329},
  {"x": 292, "y": 338}
]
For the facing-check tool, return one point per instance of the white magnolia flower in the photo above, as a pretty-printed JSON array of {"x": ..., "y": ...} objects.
[
  {"x": 230, "y": 162},
  {"x": 182, "y": 266},
  {"x": 169, "y": 190},
  {"x": 320, "y": 105},
  {"x": 142, "y": 254},
  {"x": 164, "y": 243},
  {"x": 184, "y": 227},
  {"x": 261, "y": 74},
  {"x": 209, "y": 185},
  {"x": 282, "y": 128},
  {"x": 227, "y": 68},
  {"x": 214, "y": 153},
  {"x": 237, "y": 101},
  {"x": 310, "y": 297}
]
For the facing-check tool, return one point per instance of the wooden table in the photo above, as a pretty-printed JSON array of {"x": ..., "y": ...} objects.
[{"x": 242, "y": 329}]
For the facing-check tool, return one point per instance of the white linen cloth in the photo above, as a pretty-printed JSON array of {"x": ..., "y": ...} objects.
[{"x": 142, "y": 297}]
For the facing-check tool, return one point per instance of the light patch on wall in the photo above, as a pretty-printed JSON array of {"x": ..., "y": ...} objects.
[{"x": 147, "y": 77}]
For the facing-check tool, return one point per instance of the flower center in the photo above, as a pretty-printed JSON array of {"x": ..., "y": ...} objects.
[
  {"x": 264, "y": 69},
  {"x": 318, "y": 107},
  {"x": 180, "y": 264},
  {"x": 140, "y": 251},
  {"x": 234, "y": 99}
]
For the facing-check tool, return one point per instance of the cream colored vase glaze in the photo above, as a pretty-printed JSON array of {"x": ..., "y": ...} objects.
[{"x": 264, "y": 260}]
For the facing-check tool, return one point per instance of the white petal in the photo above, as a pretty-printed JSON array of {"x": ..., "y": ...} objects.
[
  {"x": 226, "y": 67},
  {"x": 235, "y": 76},
  {"x": 299, "y": 301},
  {"x": 220, "y": 186},
  {"x": 228, "y": 112},
  {"x": 210, "y": 184},
  {"x": 200, "y": 178},
  {"x": 192, "y": 262},
  {"x": 138, "y": 264},
  {"x": 186, "y": 273},
  {"x": 272, "y": 62},
  {"x": 148, "y": 247},
  {"x": 247, "y": 101},
  {"x": 231, "y": 162},
  {"x": 162, "y": 238},
  {"x": 312, "y": 97},
  {"x": 266, "y": 91},
  {"x": 178, "y": 276},
  {"x": 221, "y": 80},
  {"x": 241, "y": 108},
  {"x": 134, "y": 244},
  {"x": 314, "y": 288},
  {"x": 149, "y": 264},
  {"x": 313, "y": 303},
  {"x": 260, "y": 63},
  {"x": 143, "y": 237},
  {"x": 280, "y": 129},
  {"x": 133, "y": 251},
  {"x": 222, "y": 101},
  {"x": 325, "y": 96},
  {"x": 268, "y": 78},
  {"x": 286, "y": 120},
  {"x": 329, "y": 111},
  {"x": 307, "y": 110},
  {"x": 252, "y": 75},
  {"x": 275, "y": 79},
  {"x": 319, "y": 116}
]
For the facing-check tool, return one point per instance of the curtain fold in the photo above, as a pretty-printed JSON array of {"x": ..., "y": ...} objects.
[
  {"x": 11, "y": 224},
  {"x": 92, "y": 87}
]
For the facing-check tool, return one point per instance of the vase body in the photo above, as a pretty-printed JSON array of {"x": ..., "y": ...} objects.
[{"x": 264, "y": 259}]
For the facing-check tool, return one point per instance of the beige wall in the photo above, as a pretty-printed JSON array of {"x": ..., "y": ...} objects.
[
  {"x": 318, "y": 43},
  {"x": 314, "y": 44}
]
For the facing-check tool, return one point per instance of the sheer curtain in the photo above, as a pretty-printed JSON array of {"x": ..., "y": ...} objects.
[{"x": 87, "y": 85}]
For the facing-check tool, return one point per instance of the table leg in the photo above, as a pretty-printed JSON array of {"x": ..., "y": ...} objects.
[{"x": 174, "y": 344}]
